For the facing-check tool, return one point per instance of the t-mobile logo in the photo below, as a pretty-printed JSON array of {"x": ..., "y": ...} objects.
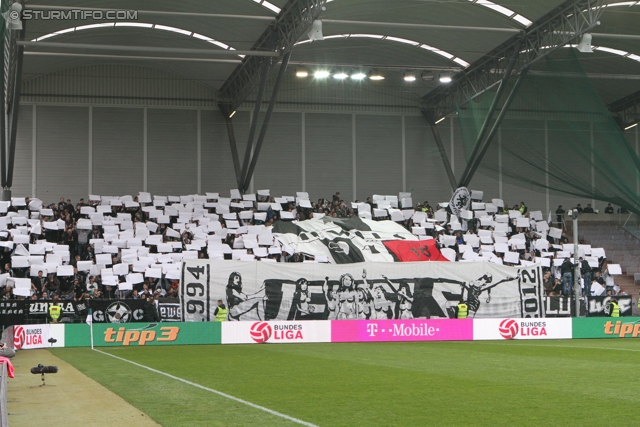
[{"x": 372, "y": 329}]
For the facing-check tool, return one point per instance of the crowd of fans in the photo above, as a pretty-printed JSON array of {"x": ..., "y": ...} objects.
[{"x": 131, "y": 247}]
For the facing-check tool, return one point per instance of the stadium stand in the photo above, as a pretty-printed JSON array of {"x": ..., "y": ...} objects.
[{"x": 131, "y": 247}]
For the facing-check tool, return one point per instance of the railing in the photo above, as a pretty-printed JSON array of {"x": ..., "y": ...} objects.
[{"x": 4, "y": 419}]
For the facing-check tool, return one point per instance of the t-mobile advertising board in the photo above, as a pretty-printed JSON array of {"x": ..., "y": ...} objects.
[
  {"x": 522, "y": 329},
  {"x": 402, "y": 330}
]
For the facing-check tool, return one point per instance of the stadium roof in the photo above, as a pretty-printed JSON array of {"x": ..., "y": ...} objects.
[{"x": 196, "y": 38}]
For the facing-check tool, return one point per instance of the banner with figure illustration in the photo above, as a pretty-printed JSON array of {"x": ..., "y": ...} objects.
[{"x": 252, "y": 291}]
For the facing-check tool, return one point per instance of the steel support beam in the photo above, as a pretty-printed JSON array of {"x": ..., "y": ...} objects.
[
  {"x": 136, "y": 57},
  {"x": 145, "y": 49},
  {"x": 267, "y": 119},
  {"x": 3, "y": 116},
  {"x": 168, "y": 13},
  {"x": 12, "y": 55},
  {"x": 254, "y": 121},
  {"x": 441, "y": 150},
  {"x": 14, "y": 109},
  {"x": 473, "y": 165},
  {"x": 492, "y": 109},
  {"x": 234, "y": 148},
  {"x": 420, "y": 26},
  {"x": 292, "y": 22},
  {"x": 626, "y": 111},
  {"x": 559, "y": 27}
]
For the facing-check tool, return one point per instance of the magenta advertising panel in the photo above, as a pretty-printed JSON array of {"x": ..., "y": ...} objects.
[{"x": 402, "y": 330}]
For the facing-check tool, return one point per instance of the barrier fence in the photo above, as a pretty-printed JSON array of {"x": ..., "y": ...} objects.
[
  {"x": 24, "y": 312},
  {"x": 4, "y": 415},
  {"x": 322, "y": 331}
]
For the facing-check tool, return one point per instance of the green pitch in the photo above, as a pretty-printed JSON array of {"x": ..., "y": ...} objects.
[{"x": 497, "y": 383}]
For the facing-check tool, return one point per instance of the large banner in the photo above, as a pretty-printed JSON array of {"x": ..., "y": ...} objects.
[
  {"x": 17, "y": 312},
  {"x": 11, "y": 312},
  {"x": 342, "y": 240},
  {"x": 256, "y": 291},
  {"x": 601, "y": 306}
]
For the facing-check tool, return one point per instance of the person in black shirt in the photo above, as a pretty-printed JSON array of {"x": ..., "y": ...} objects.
[
  {"x": 588, "y": 209},
  {"x": 608, "y": 209},
  {"x": 559, "y": 213},
  {"x": 585, "y": 270},
  {"x": 567, "y": 276}
]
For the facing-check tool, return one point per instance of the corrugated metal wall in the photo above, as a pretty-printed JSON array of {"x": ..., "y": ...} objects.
[
  {"x": 172, "y": 151},
  {"x": 118, "y": 151},
  {"x": 62, "y": 154},
  {"x": 117, "y": 84},
  {"x": 279, "y": 166},
  {"x": 22, "y": 168},
  {"x": 425, "y": 175},
  {"x": 63, "y": 144},
  {"x": 378, "y": 155},
  {"x": 328, "y": 154},
  {"x": 218, "y": 173}
]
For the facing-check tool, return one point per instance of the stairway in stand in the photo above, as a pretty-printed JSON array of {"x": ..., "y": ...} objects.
[{"x": 621, "y": 247}]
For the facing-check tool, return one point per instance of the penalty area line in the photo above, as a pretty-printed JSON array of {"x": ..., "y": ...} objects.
[{"x": 219, "y": 393}]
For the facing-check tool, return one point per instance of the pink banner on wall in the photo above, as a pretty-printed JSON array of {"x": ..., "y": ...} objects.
[{"x": 402, "y": 330}]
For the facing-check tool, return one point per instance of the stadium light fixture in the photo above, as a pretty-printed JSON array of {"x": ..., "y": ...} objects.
[
  {"x": 375, "y": 75},
  {"x": 445, "y": 78},
  {"x": 340, "y": 75},
  {"x": 301, "y": 72},
  {"x": 321, "y": 74},
  {"x": 358, "y": 75},
  {"x": 233, "y": 113},
  {"x": 439, "y": 120},
  {"x": 427, "y": 76},
  {"x": 409, "y": 76},
  {"x": 631, "y": 126}
]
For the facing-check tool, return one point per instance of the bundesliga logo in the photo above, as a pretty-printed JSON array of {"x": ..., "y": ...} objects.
[
  {"x": 260, "y": 332},
  {"x": 19, "y": 337},
  {"x": 508, "y": 329}
]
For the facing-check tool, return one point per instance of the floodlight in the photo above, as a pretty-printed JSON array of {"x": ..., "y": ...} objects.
[
  {"x": 375, "y": 75},
  {"x": 427, "y": 76},
  {"x": 445, "y": 78},
  {"x": 409, "y": 76},
  {"x": 358, "y": 75},
  {"x": 340, "y": 75}
]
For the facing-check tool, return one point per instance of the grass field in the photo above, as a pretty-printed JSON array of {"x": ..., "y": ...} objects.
[{"x": 494, "y": 383}]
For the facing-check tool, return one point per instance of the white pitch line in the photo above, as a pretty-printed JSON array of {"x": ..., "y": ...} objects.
[{"x": 228, "y": 396}]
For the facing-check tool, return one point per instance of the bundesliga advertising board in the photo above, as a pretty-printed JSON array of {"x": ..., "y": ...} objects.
[
  {"x": 275, "y": 332},
  {"x": 256, "y": 291},
  {"x": 521, "y": 329},
  {"x": 38, "y": 336}
]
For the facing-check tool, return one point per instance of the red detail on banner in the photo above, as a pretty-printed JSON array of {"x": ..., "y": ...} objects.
[{"x": 412, "y": 250}]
